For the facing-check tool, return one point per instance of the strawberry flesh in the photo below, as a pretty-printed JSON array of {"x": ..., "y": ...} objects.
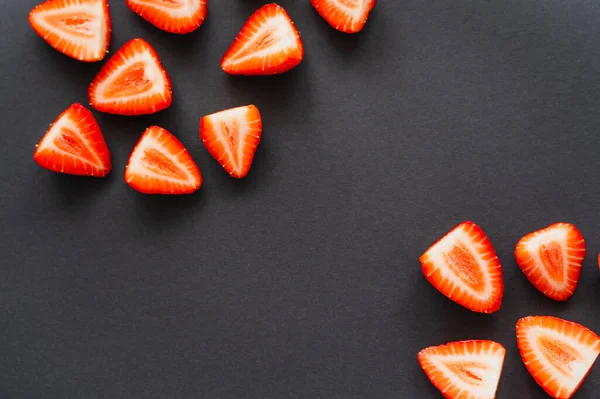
[
  {"x": 551, "y": 259},
  {"x": 464, "y": 267},
  {"x": 559, "y": 354},
  {"x": 174, "y": 16},
  {"x": 74, "y": 145},
  {"x": 160, "y": 164},
  {"x": 132, "y": 82},
  {"x": 348, "y": 16},
  {"x": 464, "y": 369},
  {"x": 231, "y": 137},
  {"x": 80, "y": 29},
  {"x": 268, "y": 44}
]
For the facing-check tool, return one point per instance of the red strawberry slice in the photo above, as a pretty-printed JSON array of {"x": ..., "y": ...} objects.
[
  {"x": 132, "y": 82},
  {"x": 558, "y": 353},
  {"x": 268, "y": 44},
  {"x": 464, "y": 369},
  {"x": 175, "y": 16},
  {"x": 551, "y": 259},
  {"x": 231, "y": 137},
  {"x": 463, "y": 266},
  {"x": 74, "y": 145},
  {"x": 347, "y": 16},
  {"x": 80, "y": 29},
  {"x": 160, "y": 164}
]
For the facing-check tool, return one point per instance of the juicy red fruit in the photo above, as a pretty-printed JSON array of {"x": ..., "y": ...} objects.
[
  {"x": 464, "y": 369},
  {"x": 74, "y": 145},
  {"x": 268, "y": 44},
  {"x": 232, "y": 136},
  {"x": 348, "y": 16},
  {"x": 174, "y": 16},
  {"x": 464, "y": 267},
  {"x": 559, "y": 354},
  {"x": 80, "y": 29},
  {"x": 132, "y": 82},
  {"x": 551, "y": 259},
  {"x": 160, "y": 164}
]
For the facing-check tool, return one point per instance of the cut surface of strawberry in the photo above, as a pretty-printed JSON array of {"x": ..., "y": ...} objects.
[
  {"x": 132, "y": 82},
  {"x": 231, "y": 137},
  {"x": 464, "y": 267},
  {"x": 174, "y": 16},
  {"x": 551, "y": 259},
  {"x": 268, "y": 44},
  {"x": 160, "y": 164},
  {"x": 464, "y": 369},
  {"x": 80, "y": 29},
  {"x": 349, "y": 16},
  {"x": 558, "y": 353},
  {"x": 74, "y": 145}
]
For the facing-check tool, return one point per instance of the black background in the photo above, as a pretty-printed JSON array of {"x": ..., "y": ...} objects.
[{"x": 302, "y": 280}]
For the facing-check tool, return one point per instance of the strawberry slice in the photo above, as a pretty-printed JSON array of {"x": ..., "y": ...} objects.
[
  {"x": 74, "y": 145},
  {"x": 268, "y": 44},
  {"x": 347, "y": 16},
  {"x": 174, "y": 16},
  {"x": 231, "y": 137},
  {"x": 463, "y": 266},
  {"x": 80, "y": 29},
  {"x": 464, "y": 369},
  {"x": 558, "y": 353},
  {"x": 551, "y": 259},
  {"x": 132, "y": 82},
  {"x": 160, "y": 164}
]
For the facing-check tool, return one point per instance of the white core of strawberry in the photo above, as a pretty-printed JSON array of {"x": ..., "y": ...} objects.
[
  {"x": 238, "y": 117},
  {"x": 176, "y": 9},
  {"x": 56, "y": 131},
  {"x": 478, "y": 250},
  {"x": 559, "y": 236},
  {"x": 91, "y": 40},
  {"x": 152, "y": 73},
  {"x": 357, "y": 9},
  {"x": 281, "y": 35},
  {"x": 579, "y": 367},
  {"x": 136, "y": 165},
  {"x": 485, "y": 366}
]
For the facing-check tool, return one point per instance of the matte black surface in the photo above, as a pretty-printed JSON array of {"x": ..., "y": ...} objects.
[{"x": 303, "y": 280}]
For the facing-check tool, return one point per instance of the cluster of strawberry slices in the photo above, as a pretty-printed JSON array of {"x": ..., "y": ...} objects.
[
  {"x": 464, "y": 267},
  {"x": 134, "y": 82}
]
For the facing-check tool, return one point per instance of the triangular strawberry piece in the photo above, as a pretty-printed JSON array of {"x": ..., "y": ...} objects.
[
  {"x": 132, "y": 82},
  {"x": 551, "y": 259},
  {"x": 231, "y": 137},
  {"x": 171, "y": 16},
  {"x": 464, "y": 369},
  {"x": 559, "y": 354},
  {"x": 74, "y": 145},
  {"x": 268, "y": 44},
  {"x": 349, "y": 16},
  {"x": 80, "y": 29},
  {"x": 464, "y": 267},
  {"x": 160, "y": 164}
]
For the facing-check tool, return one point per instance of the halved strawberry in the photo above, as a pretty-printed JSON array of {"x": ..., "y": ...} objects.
[
  {"x": 464, "y": 369},
  {"x": 558, "y": 353},
  {"x": 347, "y": 16},
  {"x": 175, "y": 16},
  {"x": 268, "y": 44},
  {"x": 551, "y": 259},
  {"x": 231, "y": 137},
  {"x": 463, "y": 266},
  {"x": 160, "y": 164},
  {"x": 132, "y": 82},
  {"x": 74, "y": 145},
  {"x": 80, "y": 29}
]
